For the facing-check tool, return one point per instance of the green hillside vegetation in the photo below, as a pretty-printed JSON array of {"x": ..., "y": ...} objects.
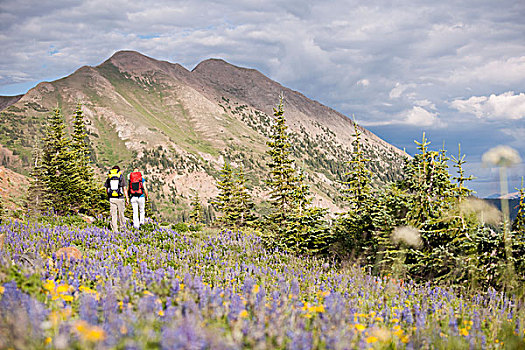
[{"x": 424, "y": 227}]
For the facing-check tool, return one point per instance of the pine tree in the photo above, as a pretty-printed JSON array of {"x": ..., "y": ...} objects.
[
  {"x": 355, "y": 228},
  {"x": 224, "y": 200},
  {"x": 283, "y": 181},
  {"x": 431, "y": 207},
  {"x": 307, "y": 230},
  {"x": 291, "y": 223},
  {"x": 428, "y": 181},
  {"x": 519, "y": 223},
  {"x": 196, "y": 212},
  {"x": 357, "y": 190},
  {"x": 242, "y": 200},
  {"x": 57, "y": 173},
  {"x": 461, "y": 190},
  {"x": 234, "y": 200},
  {"x": 90, "y": 195}
]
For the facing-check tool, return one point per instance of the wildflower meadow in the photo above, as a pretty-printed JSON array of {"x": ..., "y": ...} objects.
[{"x": 158, "y": 288}]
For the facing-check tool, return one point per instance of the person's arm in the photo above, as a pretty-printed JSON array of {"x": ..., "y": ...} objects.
[
  {"x": 145, "y": 190},
  {"x": 125, "y": 187}
]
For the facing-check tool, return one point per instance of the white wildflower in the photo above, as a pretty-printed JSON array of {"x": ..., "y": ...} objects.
[
  {"x": 484, "y": 211},
  {"x": 407, "y": 235},
  {"x": 502, "y": 156}
]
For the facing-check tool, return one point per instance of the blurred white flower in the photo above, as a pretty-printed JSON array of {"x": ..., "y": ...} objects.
[
  {"x": 484, "y": 211},
  {"x": 502, "y": 156},
  {"x": 407, "y": 235}
]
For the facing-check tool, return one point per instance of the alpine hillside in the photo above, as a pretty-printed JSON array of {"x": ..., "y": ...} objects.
[{"x": 180, "y": 126}]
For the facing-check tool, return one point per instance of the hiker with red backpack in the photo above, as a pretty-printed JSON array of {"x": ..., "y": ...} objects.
[
  {"x": 138, "y": 193},
  {"x": 116, "y": 188}
]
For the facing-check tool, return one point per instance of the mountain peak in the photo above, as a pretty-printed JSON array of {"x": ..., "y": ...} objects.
[
  {"x": 126, "y": 58},
  {"x": 215, "y": 65},
  {"x": 127, "y": 54}
]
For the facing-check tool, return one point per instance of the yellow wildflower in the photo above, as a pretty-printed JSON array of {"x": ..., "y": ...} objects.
[
  {"x": 360, "y": 327},
  {"x": 49, "y": 285},
  {"x": 404, "y": 339},
  {"x": 395, "y": 320},
  {"x": 319, "y": 308},
  {"x": 308, "y": 315},
  {"x": 255, "y": 289},
  {"x": 48, "y": 340},
  {"x": 146, "y": 292},
  {"x": 463, "y": 331},
  {"x": 243, "y": 314},
  {"x": 399, "y": 332},
  {"x": 371, "y": 339},
  {"x": 89, "y": 332},
  {"x": 67, "y": 297},
  {"x": 2, "y": 289},
  {"x": 161, "y": 313},
  {"x": 95, "y": 333}
]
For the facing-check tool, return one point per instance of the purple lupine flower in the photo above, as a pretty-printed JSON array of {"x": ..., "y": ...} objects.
[
  {"x": 301, "y": 340},
  {"x": 88, "y": 310}
]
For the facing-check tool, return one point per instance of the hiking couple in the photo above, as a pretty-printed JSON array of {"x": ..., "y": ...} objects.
[{"x": 119, "y": 193}]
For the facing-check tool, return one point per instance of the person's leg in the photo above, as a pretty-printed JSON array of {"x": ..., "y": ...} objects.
[
  {"x": 121, "y": 206},
  {"x": 113, "y": 211},
  {"x": 142, "y": 209},
  {"x": 135, "y": 204}
]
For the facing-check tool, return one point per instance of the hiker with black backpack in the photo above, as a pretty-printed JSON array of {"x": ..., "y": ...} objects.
[
  {"x": 116, "y": 188},
  {"x": 139, "y": 194}
]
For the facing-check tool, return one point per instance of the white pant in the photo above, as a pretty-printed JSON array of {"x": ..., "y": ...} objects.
[{"x": 138, "y": 204}]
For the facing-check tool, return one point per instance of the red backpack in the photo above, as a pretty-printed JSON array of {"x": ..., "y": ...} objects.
[{"x": 136, "y": 188}]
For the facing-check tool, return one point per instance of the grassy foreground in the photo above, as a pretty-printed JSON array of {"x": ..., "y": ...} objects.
[{"x": 162, "y": 289}]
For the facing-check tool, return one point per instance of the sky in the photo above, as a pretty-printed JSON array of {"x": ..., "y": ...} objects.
[{"x": 454, "y": 70}]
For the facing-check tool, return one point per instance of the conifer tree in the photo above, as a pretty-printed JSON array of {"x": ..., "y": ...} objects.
[
  {"x": 57, "y": 173},
  {"x": 519, "y": 223},
  {"x": 357, "y": 190},
  {"x": 224, "y": 200},
  {"x": 242, "y": 200},
  {"x": 196, "y": 212},
  {"x": 431, "y": 207},
  {"x": 355, "y": 228},
  {"x": 283, "y": 181},
  {"x": 89, "y": 193},
  {"x": 461, "y": 190},
  {"x": 234, "y": 200},
  {"x": 428, "y": 181},
  {"x": 292, "y": 223}
]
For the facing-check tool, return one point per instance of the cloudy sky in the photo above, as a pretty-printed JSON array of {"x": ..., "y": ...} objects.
[{"x": 452, "y": 69}]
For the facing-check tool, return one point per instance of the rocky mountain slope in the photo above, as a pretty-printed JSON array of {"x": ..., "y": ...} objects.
[{"x": 180, "y": 126}]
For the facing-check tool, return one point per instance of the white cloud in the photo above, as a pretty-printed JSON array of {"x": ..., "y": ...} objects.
[
  {"x": 363, "y": 82},
  {"x": 425, "y": 103},
  {"x": 398, "y": 90},
  {"x": 419, "y": 116},
  {"x": 504, "y": 106},
  {"x": 494, "y": 71},
  {"x": 416, "y": 116}
]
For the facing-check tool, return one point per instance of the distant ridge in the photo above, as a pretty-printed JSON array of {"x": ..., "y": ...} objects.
[
  {"x": 6, "y": 101},
  {"x": 180, "y": 126}
]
